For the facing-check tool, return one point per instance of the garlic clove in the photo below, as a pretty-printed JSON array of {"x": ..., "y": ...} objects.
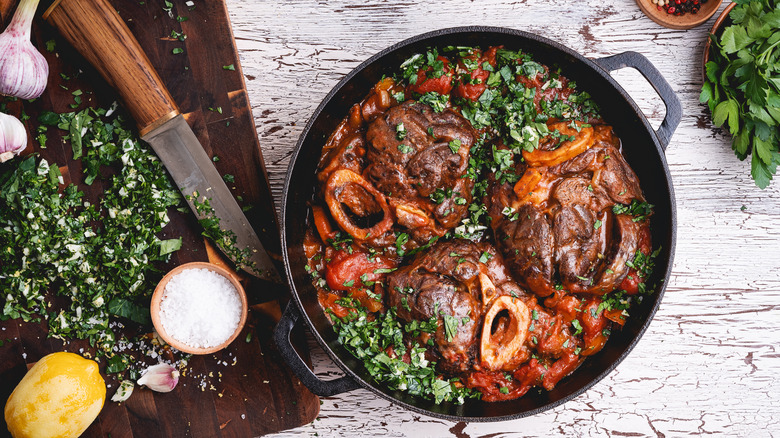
[
  {"x": 161, "y": 377},
  {"x": 13, "y": 137},
  {"x": 124, "y": 391},
  {"x": 23, "y": 70}
]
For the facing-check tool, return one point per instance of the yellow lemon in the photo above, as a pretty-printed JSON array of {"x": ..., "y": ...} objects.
[{"x": 60, "y": 396}]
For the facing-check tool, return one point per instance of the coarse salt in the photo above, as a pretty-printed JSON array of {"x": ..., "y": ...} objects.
[{"x": 200, "y": 308}]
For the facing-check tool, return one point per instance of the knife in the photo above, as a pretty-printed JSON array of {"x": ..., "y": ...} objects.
[{"x": 97, "y": 31}]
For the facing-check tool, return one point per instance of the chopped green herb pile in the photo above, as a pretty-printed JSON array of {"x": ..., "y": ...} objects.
[
  {"x": 742, "y": 88},
  {"x": 96, "y": 259},
  {"x": 371, "y": 339}
]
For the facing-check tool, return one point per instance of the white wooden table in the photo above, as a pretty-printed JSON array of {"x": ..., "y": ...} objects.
[{"x": 709, "y": 362}]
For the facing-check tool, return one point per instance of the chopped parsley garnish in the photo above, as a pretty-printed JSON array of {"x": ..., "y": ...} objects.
[
  {"x": 440, "y": 195},
  {"x": 577, "y": 326},
  {"x": 98, "y": 256},
  {"x": 639, "y": 209},
  {"x": 455, "y": 146},
  {"x": 405, "y": 148},
  {"x": 379, "y": 344},
  {"x": 450, "y": 327},
  {"x": 435, "y": 100},
  {"x": 400, "y": 241},
  {"x": 400, "y": 132}
]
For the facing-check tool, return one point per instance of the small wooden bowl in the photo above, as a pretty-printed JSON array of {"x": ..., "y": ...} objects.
[
  {"x": 686, "y": 21},
  {"x": 717, "y": 28},
  {"x": 157, "y": 298}
]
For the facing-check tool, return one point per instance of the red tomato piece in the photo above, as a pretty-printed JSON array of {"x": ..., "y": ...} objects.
[
  {"x": 328, "y": 301},
  {"x": 441, "y": 85},
  {"x": 346, "y": 271},
  {"x": 476, "y": 86}
]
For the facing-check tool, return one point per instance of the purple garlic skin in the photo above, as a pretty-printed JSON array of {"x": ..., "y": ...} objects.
[
  {"x": 23, "y": 70},
  {"x": 13, "y": 137},
  {"x": 161, "y": 377}
]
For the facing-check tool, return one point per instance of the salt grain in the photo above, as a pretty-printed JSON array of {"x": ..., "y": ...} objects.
[{"x": 200, "y": 308}]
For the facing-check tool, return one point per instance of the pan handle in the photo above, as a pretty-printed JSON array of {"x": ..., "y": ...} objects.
[
  {"x": 322, "y": 388},
  {"x": 642, "y": 65}
]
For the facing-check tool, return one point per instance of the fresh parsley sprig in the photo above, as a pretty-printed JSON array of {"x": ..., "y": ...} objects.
[{"x": 742, "y": 88}]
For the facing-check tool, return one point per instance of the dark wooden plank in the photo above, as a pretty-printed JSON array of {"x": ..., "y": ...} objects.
[{"x": 245, "y": 390}]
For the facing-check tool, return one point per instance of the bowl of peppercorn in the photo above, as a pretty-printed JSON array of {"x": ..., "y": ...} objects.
[{"x": 679, "y": 14}]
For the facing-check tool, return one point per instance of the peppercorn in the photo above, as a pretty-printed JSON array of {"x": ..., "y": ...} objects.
[{"x": 679, "y": 7}]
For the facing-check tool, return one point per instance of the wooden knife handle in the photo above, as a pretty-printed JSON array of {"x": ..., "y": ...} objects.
[{"x": 95, "y": 29}]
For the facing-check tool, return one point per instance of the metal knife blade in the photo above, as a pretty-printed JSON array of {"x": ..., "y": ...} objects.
[{"x": 197, "y": 178}]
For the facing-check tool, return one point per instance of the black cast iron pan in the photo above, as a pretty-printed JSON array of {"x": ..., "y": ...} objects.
[{"x": 643, "y": 148}]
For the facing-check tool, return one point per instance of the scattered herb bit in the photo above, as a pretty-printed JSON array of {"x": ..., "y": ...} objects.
[
  {"x": 400, "y": 132},
  {"x": 225, "y": 239},
  {"x": 455, "y": 146},
  {"x": 639, "y": 209},
  {"x": 440, "y": 195},
  {"x": 450, "y": 327},
  {"x": 230, "y": 67},
  {"x": 400, "y": 241},
  {"x": 577, "y": 326},
  {"x": 405, "y": 149},
  {"x": 181, "y": 36}
]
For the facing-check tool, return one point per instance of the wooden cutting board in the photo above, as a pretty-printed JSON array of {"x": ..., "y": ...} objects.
[{"x": 249, "y": 391}]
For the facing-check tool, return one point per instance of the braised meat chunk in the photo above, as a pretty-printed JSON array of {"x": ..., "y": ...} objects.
[
  {"x": 456, "y": 284},
  {"x": 418, "y": 158},
  {"x": 564, "y": 230}
]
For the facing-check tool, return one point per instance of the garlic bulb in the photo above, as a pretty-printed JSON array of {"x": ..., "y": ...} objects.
[
  {"x": 23, "y": 70},
  {"x": 161, "y": 377},
  {"x": 13, "y": 137}
]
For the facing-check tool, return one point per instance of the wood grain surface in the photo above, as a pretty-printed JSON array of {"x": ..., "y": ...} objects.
[
  {"x": 244, "y": 390},
  {"x": 709, "y": 362}
]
